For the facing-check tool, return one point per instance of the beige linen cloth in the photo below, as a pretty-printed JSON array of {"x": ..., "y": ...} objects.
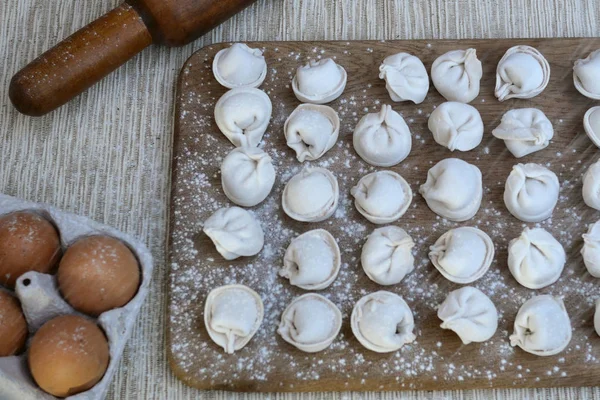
[{"x": 107, "y": 155}]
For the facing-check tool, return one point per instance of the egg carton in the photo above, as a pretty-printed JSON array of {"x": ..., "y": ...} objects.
[{"x": 41, "y": 301}]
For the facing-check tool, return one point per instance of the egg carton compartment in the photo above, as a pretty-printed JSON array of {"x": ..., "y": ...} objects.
[{"x": 42, "y": 301}]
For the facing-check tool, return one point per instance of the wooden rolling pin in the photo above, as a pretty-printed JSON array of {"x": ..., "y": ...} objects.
[{"x": 93, "y": 52}]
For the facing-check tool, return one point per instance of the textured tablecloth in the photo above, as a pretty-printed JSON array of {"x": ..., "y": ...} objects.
[{"x": 107, "y": 154}]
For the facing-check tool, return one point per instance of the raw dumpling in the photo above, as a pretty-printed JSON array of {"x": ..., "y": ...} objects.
[
  {"x": 382, "y": 197},
  {"x": 591, "y": 186},
  {"x": 586, "y": 75},
  {"x": 387, "y": 256},
  {"x": 383, "y": 322},
  {"x": 591, "y": 249},
  {"x": 531, "y": 192},
  {"x": 405, "y": 77},
  {"x": 247, "y": 176},
  {"x": 240, "y": 66},
  {"x": 243, "y": 115},
  {"x": 542, "y": 326},
  {"x": 470, "y": 313},
  {"x": 232, "y": 315},
  {"x": 535, "y": 258},
  {"x": 235, "y": 233},
  {"x": 310, "y": 323},
  {"x": 456, "y": 75},
  {"x": 456, "y": 126},
  {"x": 522, "y": 73},
  {"x": 597, "y": 317},
  {"x": 462, "y": 255},
  {"x": 311, "y": 130},
  {"x": 382, "y": 139},
  {"x": 591, "y": 124},
  {"x": 453, "y": 189},
  {"x": 524, "y": 131},
  {"x": 319, "y": 82},
  {"x": 312, "y": 261},
  {"x": 311, "y": 195}
]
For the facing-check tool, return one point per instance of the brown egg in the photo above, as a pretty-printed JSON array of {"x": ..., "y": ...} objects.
[
  {"x": 68, "y": 355},
  {"x": 28, "y": 242},
  {"x": 97, "y": 274},
  {"x": 13, "y": 326}
]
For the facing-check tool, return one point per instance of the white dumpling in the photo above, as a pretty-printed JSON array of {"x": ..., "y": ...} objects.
[
  {"x": 310, "y": 323},
  {"x": 542, "y": 326},
  {"x": 319, "y": 82},
  {"x": 591, "y": 249},
  {"x": 591, "y": 124},
  {"x": 591, "y": 186},
  {"x": 531, "y": 192},
  {"x": 456, "y": 75},
  {"x": 453, "y": 189},
  {"x": 405, "y": 77},
  {"x": 235, "y": 233},
  {"x": 462, "y": 255},
  {"x": 586, "y": 75},
  {"x": 536, "y": 259},
  {"x": 247, "y": 176},
  {"x": 597, "y": 317},
  {"x": 456, "y": 126},
  {"x": 522, "y": 73},
  {"x": 382, "y": 197},
  {"x": 232, "y": 316},
  {"x": 312, "y": 195},
  {"x": 243, "y": 115},
  {"x": 383, "y": 322},
  {"x": 311, "y": 130},
  {"x": 382, "y": 139},
  {"x": 240, "y": 66},
  {"x": 524, "y": 131},
  {"x": 312, "y": 261},
  {"x": 470, "y": 313},
  {"x": 387, "y": 255}
]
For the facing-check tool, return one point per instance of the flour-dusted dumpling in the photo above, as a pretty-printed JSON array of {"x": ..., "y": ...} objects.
[
  {"x": 462, "y": 255},
  {"x": 310, "y": 323},
  {"x": 311, "y": 130},
  {"x": 387, "y": 255},
  {"x": 382, "y": 197},
  {"x": 235, "y": 233},
  {"x": 586, "y": 75},
  {"x": 456, "y": 126},
  {"x": 453, "y": 189},
  {"x": 247, "y": 176},
  {"x": 591, "y": 186},
  {"x": 243, "y": 115},
  {"x": 319, "y": 82},
  {"x": 312, "y": 195},
  {"x": 536, "y": 259},
  {"x": 383, "y": 322},
  {"x": 240, "y": 66},
  {"x": 470, "y": 313},
  {"x": 542, "y": 326},
  {"x": 524, "y": 131},
  {"x": 405, "y": 77},
  {"x": 382, "y": 139},
  {"x": 232, "y": 315},
  {"x": 591, "y": 249},
  {"x": 531, "y": 192},
  {"x": 597, "y": 317},
  {"x": 591, "y": 124},
  {"x": 312, "y": 261},
  {"x": 522, "y": 73},
  {"x": 456, "y": 75}
]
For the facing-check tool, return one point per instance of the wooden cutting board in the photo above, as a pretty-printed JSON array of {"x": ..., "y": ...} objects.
[{"x": 437, "y": 360}]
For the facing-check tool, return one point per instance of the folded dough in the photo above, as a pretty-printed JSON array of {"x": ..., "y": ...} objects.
[
  {"x": 382, "y": 197},
  {"x": 591, "y": 124},
  {"x": 240, "y": 66},
  {"x": 235, "y": 233},
  {"x": 311, "y": 130},
  {"x": 456, "y": 75},
  {"x": 524, "y": 131},
  {"x": 531, "y": 192},
  {"x": 456, "y": 126},
  {"x": 586, "y": 75},
  {"x": 597, "y": 317},
  {"x": 522, "y": 73},
  {"x": 591, "y": 186},
  {"x": 312, "y": 195},
  {"x": 319, "y": 82},
  {"x": 247, "y": 176},
  {"x": 591, "y": 249},
  {"x": 387, "y": 256},
  {"x": 405, "y": 77}
]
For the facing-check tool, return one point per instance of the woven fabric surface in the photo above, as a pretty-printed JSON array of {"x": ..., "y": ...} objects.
[{"x": 107, "y": 154}]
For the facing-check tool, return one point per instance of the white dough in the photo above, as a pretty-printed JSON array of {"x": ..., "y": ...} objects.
[
  {"x": 387, "y": 256},
  {"x": 531, "y": 192},
  {"x": 456, "y": 75},
  {"x": 312, "y": 195},
  {"x": 597, "y": 317},
  {"x": 240, "y": 66},
  {"x": 383, "y": 322},
  {"x": 405, "y": 77},
  {"x": 522, "y": 73},
  {"x": 591, "y": 186},
  {"x": 232, "y": 315},
  {"x": 456, "y": 126},
  {"x": 453, "y": 189},
  {"x": 542, "y": 326},
  {"x": 591, "y": 249},
  {"x": 524, "y": 131},
  {"x": 591, "y": 124},
  {"x": 311, "y": 130},
  {"x": 235, "y": 233},
  {"x": 243, "y": 115},
  {"x": 312, "y": 261},
  {"x": 247, "y": 176},
  {"x": 586, "y": 75},
  {"x": 319, "y": 82},
  {"x": 382, "y": 197}
]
